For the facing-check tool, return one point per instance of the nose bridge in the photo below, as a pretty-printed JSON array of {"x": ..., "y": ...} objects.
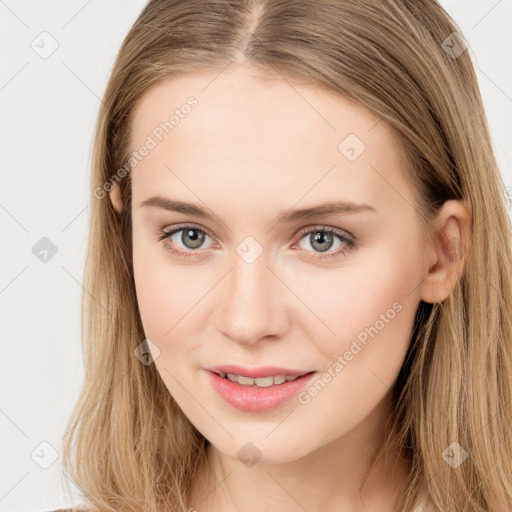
[{"x": 250, "y": 304}]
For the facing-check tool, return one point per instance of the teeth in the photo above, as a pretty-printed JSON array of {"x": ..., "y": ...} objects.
[
  {"x": 245, "y": 380},
  {"x": 262, "y": 382}
]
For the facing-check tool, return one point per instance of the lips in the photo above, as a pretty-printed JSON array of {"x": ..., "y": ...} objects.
[
  {"x": 255, "y": 398},
  {"x": 258, "y": 372}
]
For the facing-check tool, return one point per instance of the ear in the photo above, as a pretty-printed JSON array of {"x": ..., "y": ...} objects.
[
  {"x": 115, "y": 197},
  {"x": 447, "y": 256}
]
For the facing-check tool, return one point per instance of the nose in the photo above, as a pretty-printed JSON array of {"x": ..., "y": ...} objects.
[{"x": 252, "y": 303}]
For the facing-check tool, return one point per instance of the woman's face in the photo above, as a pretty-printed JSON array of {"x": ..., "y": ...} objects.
[{"x": 260, "y": 279}]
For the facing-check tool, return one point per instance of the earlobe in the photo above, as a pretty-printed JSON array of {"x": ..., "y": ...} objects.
[
  {"x": 115, "y": 197},
  {"x": 449, "y": 254}
]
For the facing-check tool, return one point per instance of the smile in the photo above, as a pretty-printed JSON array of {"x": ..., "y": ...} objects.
[
  {"x": 261, "y": 382},
  {"x": 258, "y": 394}
]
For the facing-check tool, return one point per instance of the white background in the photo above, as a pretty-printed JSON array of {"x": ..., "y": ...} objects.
[{"x": 48, "y": 110}]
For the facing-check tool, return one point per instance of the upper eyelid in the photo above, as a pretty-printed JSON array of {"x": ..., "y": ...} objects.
[
  {"x": 179, "y": 227},
  {"x": 325, "y": 227}
]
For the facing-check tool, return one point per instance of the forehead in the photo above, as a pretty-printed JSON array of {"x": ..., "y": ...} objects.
[{"x": 268, "y": 140}]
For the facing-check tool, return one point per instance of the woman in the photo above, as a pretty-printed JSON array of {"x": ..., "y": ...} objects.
[{"x": 298, "y": 280}]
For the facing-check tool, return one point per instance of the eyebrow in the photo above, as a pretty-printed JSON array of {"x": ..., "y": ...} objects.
[{"x": 285, "y": 216}]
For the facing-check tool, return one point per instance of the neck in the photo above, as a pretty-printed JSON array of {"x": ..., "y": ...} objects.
[{"x": 344, "y": 475}]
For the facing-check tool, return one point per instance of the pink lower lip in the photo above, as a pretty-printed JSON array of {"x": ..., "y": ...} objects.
[{"x": 251, "y": 399}]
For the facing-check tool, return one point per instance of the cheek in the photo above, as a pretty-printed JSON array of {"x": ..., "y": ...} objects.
[
  {"x": 366, "y": 307},
  {"x": 170, "y": 297},
  {"x": 371, "y": 309},
  {"x": 161, "y": 288}
]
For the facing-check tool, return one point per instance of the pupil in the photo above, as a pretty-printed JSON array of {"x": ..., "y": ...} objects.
[
  {"x": 321, "y": 238},
  {"x": 192, "y": 238}
]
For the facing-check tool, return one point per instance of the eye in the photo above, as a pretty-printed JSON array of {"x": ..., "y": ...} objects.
[
  {"x": 322, "y": 240},
  {"x": 191, "y": 238}
]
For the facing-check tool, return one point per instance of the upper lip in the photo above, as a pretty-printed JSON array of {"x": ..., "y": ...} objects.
[{"x": 260, "y": 371}]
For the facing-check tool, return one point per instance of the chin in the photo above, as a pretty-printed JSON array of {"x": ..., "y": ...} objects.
[{"x": 251, "y": 450}]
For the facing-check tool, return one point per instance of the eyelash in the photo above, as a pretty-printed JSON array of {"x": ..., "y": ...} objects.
[{"x": 164, "y": 235}]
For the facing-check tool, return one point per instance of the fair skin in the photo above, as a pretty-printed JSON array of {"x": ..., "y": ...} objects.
[{"x": 248, "y": 151}]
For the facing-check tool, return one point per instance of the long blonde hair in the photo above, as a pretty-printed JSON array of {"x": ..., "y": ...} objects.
[{"x": 128, "y": 445}]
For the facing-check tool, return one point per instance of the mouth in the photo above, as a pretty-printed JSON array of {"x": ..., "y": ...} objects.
[
  {"x": 262, "y": 377},
  {"x": 264, "y": 390},
  {"x": 260, "y": 382}
]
